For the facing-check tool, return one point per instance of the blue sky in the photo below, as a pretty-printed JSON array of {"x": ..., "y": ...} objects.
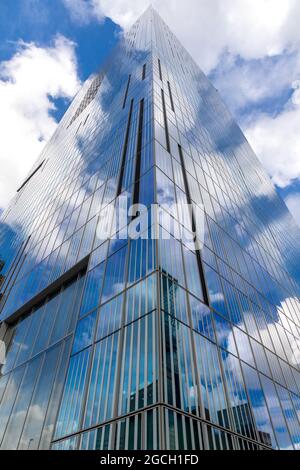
[
  {"x": 40, "y": 21},
  {"x": 249, "y": 49}
]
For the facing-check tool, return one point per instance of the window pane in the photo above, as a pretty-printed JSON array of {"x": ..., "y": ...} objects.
[
  {"x": 68, "y": 419},
  {"x": 38, "y": 406},
  {"x": 259, "y": 406},
  {"x": 277, "y": 418},
  {"x": 16, "y": 421},
  {"x": 84, "y": 333},
  {"x": 92, "y": 289},
  {"x": 114, "y": 281}
]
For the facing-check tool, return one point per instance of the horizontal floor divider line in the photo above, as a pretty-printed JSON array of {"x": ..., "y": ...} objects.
[
  {"x": 171, "y": 408},
  {"x": 53, "y": 287}
]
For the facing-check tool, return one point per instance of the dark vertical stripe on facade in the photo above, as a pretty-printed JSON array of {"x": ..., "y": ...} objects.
[
  {"x": 159, "y": 69},
  {"x": 165, "y": 120},
  {"x": 78, "y": 128},
  {"x": 136, "y": 193},
  {"x": 189, "y": 199},
  {"x": 124, "y": 153},
  {"x": 144, "y": 71},
  {"x": 126, "y": 92},
  {"x": 32, "y": 174},
  {"x": 171, "y": 96},
  {"x": 85, "y": 121}
]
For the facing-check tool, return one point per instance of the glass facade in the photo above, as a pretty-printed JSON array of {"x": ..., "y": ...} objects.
[{"x": 116, "y": 343}]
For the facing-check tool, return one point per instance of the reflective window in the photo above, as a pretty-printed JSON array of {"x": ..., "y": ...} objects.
[
  {"x": 139, "y": 368},
  {"x": 109, "y": 317},
  {"x": 141, "y": 259},
  {"x": 114, "y": 281},
  {"x": 21, "y": 404},
  {"x": 243, "y": 421},
  {"x": 172, "y": 266},
  {"x": 213, "y": 334},
  {"x": 69, "y": 416},
  {"x": 165, "y": 192},
  {"x": 201, "y": 318},
  {"x": 243, "y": 346},
  {"x": 102, "y": 381},
  {"x": 92, "y": 289},
  {"x": 260, "y": 357},
  {"x": 47, "y": 324},
  {"x": 224, "y": 334},
  {"x": 84, "y": 333},
  {"x": 210, "y": 377},
  {"x": 290, "y": 415},
  {"x": 279, "y": 424},
  {"x": 215, "y": 290},
  {"x": 38, "y": 406},
  {"x": 193, "y": 280},
  {"x": 141, "y": 299},
  {"x": 259, "y": 407},
  {"x": 179, "y": 379}
]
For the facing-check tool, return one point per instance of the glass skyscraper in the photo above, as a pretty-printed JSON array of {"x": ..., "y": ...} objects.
[{"x": 145, "y": 343}]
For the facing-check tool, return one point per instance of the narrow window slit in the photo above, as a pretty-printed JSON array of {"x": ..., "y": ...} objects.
[
  {"x": 159, "y": 68},
  {"x": 189, "y": 200},
  {"x": 165, "y": 121},
  {"x": 30, "y": 176},
  {"x": 85, "y": 121},
  {"x": 171, "y": 97},
  {"x": 136, "y": 193},
  {"x": 144, "y": 71},
  {"x": 78, "y": 128},
  {"x": 124, "y": 154},
  {"x": 126, "y": 92}
]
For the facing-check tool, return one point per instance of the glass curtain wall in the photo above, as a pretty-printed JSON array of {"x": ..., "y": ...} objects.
[{"x": 149, "y": 343}]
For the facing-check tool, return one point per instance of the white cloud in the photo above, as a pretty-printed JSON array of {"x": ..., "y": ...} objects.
[
  {"x": 276, "y": 141},
  {"x": 212, "y": 30},
  {"x": 82, "y": 11},
  {"x": 243, "y": 83},
  {"x": 249, "y": 28},
  {"x": 122, "y": 12},
  {"x": 28, "y": 82}
]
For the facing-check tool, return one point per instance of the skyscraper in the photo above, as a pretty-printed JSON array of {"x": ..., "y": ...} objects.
[{"x": 118, "y": 342}]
